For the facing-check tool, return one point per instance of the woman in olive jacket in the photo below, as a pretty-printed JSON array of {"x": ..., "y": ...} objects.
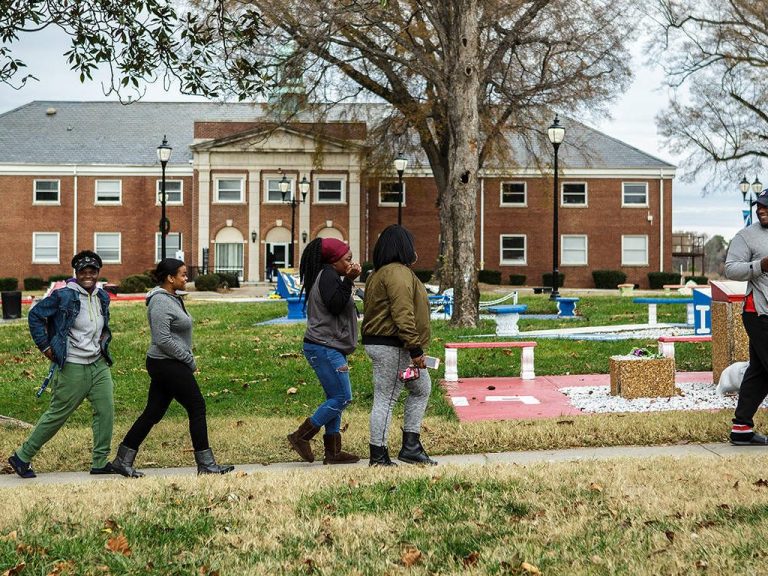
[{"x": 395, "y": 332}]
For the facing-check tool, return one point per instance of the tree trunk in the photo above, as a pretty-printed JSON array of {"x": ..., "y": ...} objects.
[
  {"x": 8, "y": 421},
  {"x": 463, "y": 129}
]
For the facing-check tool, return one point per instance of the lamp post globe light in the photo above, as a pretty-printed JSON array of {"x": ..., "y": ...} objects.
[
  {"x": 556, "y": 134},
  {"x": 744, "y": 187},
  {"x": 401, "y": 163},
  {"x": 284, "y": 185},
  {"x": 163, "y": 155}
]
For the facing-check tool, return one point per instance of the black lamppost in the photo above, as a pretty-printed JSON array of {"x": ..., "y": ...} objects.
[
  {"x": 163, "y": 155},
  {"x": 744, "y": 187},
  {"x": 401, "y": 163},
  {"x": 304, "y": 188},
  {"x": 556, "y": 133}
]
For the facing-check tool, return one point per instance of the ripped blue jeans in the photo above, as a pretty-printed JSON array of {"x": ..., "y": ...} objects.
[{"x": 333, "y": 372}]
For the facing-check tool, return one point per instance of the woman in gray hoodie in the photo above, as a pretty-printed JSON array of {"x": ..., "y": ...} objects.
[{"x": 171, "y": 367}]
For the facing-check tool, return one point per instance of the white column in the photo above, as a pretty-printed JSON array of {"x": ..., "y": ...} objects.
[
  {"x": 305, "y": 211},
  {"x": 526, "y": 364},
  {"x": 254, "y": 210},
  {"x": 353, "y": 194},
  {"x": 652, "y": 314},
  {"x": 204, "y": 205}
]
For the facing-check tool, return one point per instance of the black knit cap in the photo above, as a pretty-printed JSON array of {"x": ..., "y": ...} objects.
[
  {"x": 86, "y": 258},
  {"x": 762, "y": 198}
]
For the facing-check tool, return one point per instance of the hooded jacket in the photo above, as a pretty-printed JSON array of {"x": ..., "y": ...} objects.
[{"x": 170, "y": 326}]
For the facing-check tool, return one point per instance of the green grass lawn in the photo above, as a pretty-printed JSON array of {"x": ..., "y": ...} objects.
[
  {"x": 644, "y": 517},
  {"x": 258, "y": 386}
]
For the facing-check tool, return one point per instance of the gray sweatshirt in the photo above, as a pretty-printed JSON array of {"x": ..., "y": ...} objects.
[
  {"x": 745, "y": 251},
  {"x": 83, "y": 340},
  {"x": 170, "y": 326}
]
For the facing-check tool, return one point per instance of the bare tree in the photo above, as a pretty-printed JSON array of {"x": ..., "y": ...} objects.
[
  {"x": 715, "y": 53},
  {"x": 459, "y": 75},
  {"x": 208, "y": 49}
]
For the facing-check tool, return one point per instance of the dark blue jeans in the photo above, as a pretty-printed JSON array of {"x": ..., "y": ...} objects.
[{"x": 333, "y": 372}]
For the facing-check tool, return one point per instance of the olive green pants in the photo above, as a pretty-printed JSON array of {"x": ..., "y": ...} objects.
[{"x": 75, "y": 383}]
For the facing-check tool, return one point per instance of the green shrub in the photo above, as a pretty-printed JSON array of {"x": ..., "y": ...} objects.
[
  {"x": 34, "y": 283},
  {"x": 231, "y": 280},
  {"x": 136, "y": 283},
  {"x": 546, "y": 279},
  {"x": 207, "y": 282},
  {"x": 423, "y": 275},
  {"x": 517, "y": 279},
  {"x": 9, "y": 284},
  {"x": 489, "y": 276},
  {"x": 698, "y": 279},
  {"x": 57, "y": 277},
  {"x": 656, "y": 280},
  {"x": 608, "y": 278}
]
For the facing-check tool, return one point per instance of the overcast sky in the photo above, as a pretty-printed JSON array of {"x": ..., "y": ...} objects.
[{"x": 633, "y": 122}]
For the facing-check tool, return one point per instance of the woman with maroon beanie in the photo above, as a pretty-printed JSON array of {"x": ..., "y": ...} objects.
[{"x": 328, "y": 273}]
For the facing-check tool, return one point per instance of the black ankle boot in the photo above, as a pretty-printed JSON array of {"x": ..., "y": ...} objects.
[
  {"x": 380, "y": 456},
  {"x": 206, "y": 463},
  {"x": 123, "y": 462},
  {"x": 412, "y": 451}
]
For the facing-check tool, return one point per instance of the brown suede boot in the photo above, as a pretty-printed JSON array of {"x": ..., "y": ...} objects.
[
  {"x": 333, "y": 452},
  {"x": 300, "y": 440}
]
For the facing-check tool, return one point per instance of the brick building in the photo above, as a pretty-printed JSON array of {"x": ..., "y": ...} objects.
[{"x": 77, "y": 175}]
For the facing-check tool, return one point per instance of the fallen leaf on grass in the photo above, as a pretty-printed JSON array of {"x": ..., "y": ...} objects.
[
  {"x": 670, "y": 536},
  {"x": 571, "y": 422},
  {"x": 410, "y": 556},
  {"x": 595, "y": 487},
  {"x": 30, "y": 549},
  {"x": 62, "y": 568},
  {"x": 701, "y": 564},
  {"x": 241, "y": 474},
  {"x": 530, "y": 568},
  {"x": 119, "y": 545},
  {"x": 761, "y": 483},
  {"x": 16, "y": 570},
  {"x": 291, "y": 390},
  {"x": 10, "y": 536},
  {"x": 110, "y": 525},
  {"x": 472, "y": 559}
]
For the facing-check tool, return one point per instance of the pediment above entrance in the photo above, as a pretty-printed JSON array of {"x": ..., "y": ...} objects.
[{"x": 310, "y": 138}]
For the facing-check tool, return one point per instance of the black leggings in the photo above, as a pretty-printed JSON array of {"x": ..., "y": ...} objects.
[{"x": 171, "y": 380}]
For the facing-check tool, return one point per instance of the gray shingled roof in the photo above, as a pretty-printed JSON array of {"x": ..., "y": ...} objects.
[{"x": 128, "y": 134}]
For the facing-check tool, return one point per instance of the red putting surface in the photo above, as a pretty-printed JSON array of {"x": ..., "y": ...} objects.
[{"x": 518, "y": 399}]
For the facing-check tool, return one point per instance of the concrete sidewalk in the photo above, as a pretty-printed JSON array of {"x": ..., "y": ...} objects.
[{"x": 514, "y": 458}]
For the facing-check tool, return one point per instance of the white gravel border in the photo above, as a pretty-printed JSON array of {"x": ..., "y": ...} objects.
[{"x": 694, "y": 396}]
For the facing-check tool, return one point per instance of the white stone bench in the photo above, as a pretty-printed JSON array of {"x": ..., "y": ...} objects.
[{"x": 451, "y": 357}]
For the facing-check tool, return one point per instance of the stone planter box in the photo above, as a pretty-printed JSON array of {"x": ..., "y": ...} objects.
[
  {"x": 638, "y": 377},
  {"x": 729, "y": 339}
]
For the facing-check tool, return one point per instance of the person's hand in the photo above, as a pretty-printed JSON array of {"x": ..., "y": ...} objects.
[
  {"x": 764, "y": 264},
  {"x": 354, "y": 271},
  {"x": 420, "y": 362},
  {"x": 48, "y": 353}
]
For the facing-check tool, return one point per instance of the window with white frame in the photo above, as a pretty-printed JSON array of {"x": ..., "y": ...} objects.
[
  {"x": 634, "y": 250},
  {"x": 108, "y": 191},
  {"x": 513, "y": 194},
  {"x": 634, "y": 194},
  {"x": 574, "y": 194},
  {"x": 174, "y": 192},
  {"x": 172, "y": 245},
  {"x": 513, "y": 249},
  {"x": 45, "y": 247},
  {"x": 329, "y": 190},
  {"x": 389, "y": 193},
  {"x": 273, "y": 190},
  {"x": 229, "y": 190},
  {"x": 107, "y": 245},
  {"x": 46, "y": 192},
  {"x": 573, "y": 250}
]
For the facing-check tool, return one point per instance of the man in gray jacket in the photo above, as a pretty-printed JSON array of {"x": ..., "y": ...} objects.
[{"x": 747, "y": 259}]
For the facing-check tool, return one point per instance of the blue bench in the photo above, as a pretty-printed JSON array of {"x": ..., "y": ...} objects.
[
  {"x": 289, "y": 289},
  {"x": 566, "y": 307},
  {"x": 440, "y": 306},
  {"x": 653, "y": 302},
  {"x": 506, "y": 317}
]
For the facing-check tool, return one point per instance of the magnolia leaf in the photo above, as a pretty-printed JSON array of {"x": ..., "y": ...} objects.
[
  {"x": 410, "y": 556},
  {"x": 119, "y": 545},
  {"x": 16, "y": 570},
  {"x": 530, "y": 568},
  {"x": 292, "y": 390}
]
